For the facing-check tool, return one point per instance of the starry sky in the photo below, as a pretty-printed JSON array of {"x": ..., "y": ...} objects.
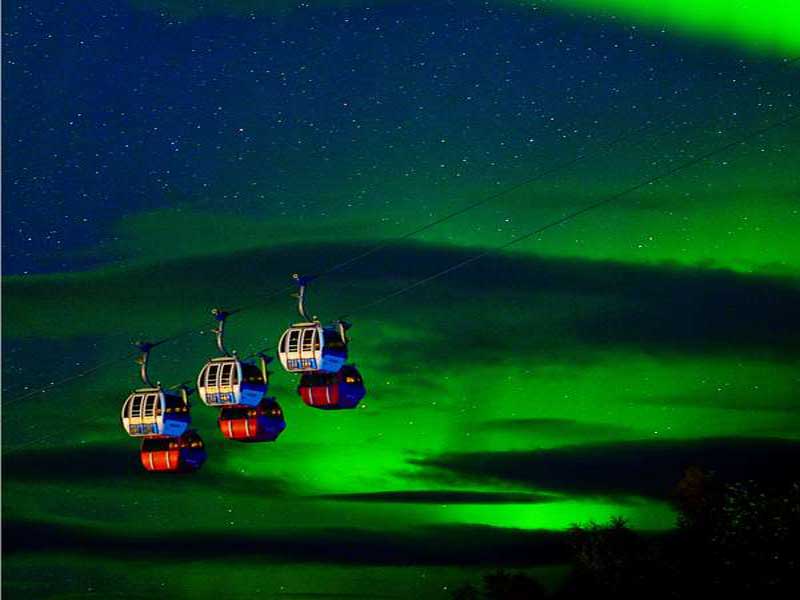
[{"x": 162, "y": 157}]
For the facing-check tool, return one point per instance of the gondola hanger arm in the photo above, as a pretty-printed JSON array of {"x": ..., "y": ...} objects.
[
  {"x": 302, "y": 282},
  {"x": 144, "y": 358}
]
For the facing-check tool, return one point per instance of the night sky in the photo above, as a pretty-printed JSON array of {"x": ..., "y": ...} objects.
[{"x": 164, "y": 157}]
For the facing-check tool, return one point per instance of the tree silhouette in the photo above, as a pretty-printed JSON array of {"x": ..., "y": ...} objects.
[
  {"x": 739, "y": 538},
  {"x": 511, "y": 586},
  {"x": 615, "y": 561},
  {"x": 501, "y": 585},
  {"x": 731, "y": 540},
  {"x": 466, "y": 592}
]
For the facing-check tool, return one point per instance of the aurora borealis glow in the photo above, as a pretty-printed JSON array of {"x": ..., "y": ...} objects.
[{"x": 165, "y": 157}]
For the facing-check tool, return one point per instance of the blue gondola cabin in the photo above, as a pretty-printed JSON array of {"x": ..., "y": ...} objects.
[
  {"x": 228, "y": 381},
  {"x": 153, "y": 412},
  {"x": 307, "y": 347}
]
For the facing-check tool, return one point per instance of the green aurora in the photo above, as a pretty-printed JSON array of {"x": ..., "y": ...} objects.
[
  {"x": 759, "y": 26},
  {"x": 769, "y": 27},
  {"x": 656, "y": 335}
]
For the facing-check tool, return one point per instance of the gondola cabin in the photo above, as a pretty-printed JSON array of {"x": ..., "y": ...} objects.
[
  {"x": 307, "y": 347},
  {"x": 332, "y": 391},
  {"x": 228, "y": 381},
  {"x": 263, "y": 423},
  {"x": 175, "y": 454},
  {"x": 152, "y": 412}
]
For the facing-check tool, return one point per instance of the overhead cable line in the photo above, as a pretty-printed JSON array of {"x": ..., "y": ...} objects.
[
  {"x": 645, "y": 125},
  {"x": 581, "y": 211},
  {"x": 556, "y": 168},
  {"x": 560, "y": 221}
]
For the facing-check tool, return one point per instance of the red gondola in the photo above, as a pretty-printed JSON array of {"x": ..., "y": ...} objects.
[
  {"x": 332, "y": 391},
  {"x": 173, "y": 454},
  {"x": 262, "y": 423}
]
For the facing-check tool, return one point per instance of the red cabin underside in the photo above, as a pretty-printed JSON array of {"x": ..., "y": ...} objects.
[
  {"x": 320, "y": 395},
  {"x": 162, "y": 460},
  {"x": 248, "y": 429}
]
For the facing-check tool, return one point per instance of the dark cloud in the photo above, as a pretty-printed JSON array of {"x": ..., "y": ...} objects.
[
  {"x": 437, "y": 545},
  {"x": 603, "y": 305},
  {"x": 699, "y": 311},
  {"x": 571, "y": 310},
  {"x": 442, "y": 497},
  {"x": 641, "y": 468},
  {"x": 117, "y": 464},
  {"x": 84, "y": 463}
]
